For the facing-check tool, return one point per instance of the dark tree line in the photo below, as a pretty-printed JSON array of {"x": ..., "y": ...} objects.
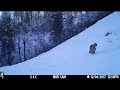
[
  {"x": 57, "y": 26},
  {"x": 7, "y": 38}
]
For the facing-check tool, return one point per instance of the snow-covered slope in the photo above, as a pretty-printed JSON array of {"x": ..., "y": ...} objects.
[{"x": 72, "y": 57}]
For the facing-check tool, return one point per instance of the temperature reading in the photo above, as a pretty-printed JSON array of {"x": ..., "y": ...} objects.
[{"x": 33, "y": 76}]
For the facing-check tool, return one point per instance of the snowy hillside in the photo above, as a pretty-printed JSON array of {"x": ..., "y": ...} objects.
[{"x": 72, "y": 57}]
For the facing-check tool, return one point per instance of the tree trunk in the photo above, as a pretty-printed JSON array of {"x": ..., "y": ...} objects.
[
  {"x": 24, "y": 43},
  {"x": 19, "y": 46}
]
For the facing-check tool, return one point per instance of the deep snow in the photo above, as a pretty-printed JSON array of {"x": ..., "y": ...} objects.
[{"x": 72, "y": 57}]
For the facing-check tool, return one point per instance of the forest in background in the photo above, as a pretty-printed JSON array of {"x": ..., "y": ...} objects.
[{"x": 26, "y": 34}]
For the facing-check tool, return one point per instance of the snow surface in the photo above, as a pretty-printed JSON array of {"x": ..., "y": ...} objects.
[{"x": 72, "y": 57}]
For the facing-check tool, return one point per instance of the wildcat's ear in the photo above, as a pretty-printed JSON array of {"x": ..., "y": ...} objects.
[{"x": 95, "y": 44}]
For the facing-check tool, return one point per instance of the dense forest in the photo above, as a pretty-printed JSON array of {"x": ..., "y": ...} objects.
[{"x": 26, "y": 34}]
